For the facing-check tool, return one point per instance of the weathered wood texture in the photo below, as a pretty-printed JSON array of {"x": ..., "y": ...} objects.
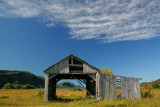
[
  {"x": 98, "y": 84},
  {"x": 62, "y": 67},
  {"x": 113, "y": 87},
  {"x": 50, "y": 88},
  {"x": 130, "y": 88},
  {"x": 68, "y": 65},
  {"x": 91, "y": 87},
  {"x": 88, "y": 69},
  {"x": 46, "y": 87},
  {"x": 91, "y": 84},
  {"x": 137, "y": 87},
  {"x": 107, "y": 86}
]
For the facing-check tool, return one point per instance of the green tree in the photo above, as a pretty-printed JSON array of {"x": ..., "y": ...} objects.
[
  {"x": 8, "y": 86},
  {"x": 28, "y": 86},
  {"x": 106, "y": 70},
  {"x": 155, "y": 85},
  {"x": 16, "y": 85}
]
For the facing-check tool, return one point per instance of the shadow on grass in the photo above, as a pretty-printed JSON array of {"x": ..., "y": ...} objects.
[
  {"x": 67, "y": 99},
  {"x": 63, "y": 100},
  {"x": 4, "y": 97}
]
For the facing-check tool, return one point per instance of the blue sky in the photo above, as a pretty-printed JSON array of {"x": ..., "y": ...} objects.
[{"x": 121, "y": 35}]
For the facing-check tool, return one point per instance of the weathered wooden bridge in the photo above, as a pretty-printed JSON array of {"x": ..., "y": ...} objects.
[{"x": 98, "y": 84}]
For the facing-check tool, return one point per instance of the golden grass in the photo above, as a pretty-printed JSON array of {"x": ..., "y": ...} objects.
[
  {"x": 28, "y": 97},
  {"x": 69, "y": 91}
]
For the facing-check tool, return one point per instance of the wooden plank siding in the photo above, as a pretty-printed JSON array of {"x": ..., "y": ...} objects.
[
  {"x": 88, "y": 69},
  {"x": 107, "y": 86},
  {"x": 113, "y": 87},
  {"x": 98, "y": 84},
  {"x": 130, "y": 88},
  {"x": 62, "y": 67},
  {"x": 138, "y": 88}
]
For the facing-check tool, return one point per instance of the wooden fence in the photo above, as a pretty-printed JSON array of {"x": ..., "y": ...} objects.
[
  {"x": 130, "y": 88},
  {"x": 107, "y": 86}
]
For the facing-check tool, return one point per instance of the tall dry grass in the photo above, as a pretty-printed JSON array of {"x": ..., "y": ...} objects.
[{"x": 28, "y": 97}]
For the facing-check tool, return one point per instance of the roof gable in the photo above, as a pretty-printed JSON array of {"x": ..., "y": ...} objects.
[{"x": 67, "y": 60}]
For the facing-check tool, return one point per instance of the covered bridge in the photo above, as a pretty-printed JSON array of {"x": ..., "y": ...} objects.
[{"x": 98, "y": 84}]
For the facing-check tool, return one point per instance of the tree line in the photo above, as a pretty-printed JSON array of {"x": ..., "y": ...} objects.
[{"x": 15, "y": 85}]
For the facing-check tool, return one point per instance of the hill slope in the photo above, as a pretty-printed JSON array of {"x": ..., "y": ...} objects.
[
  {"x": 67, "y": 85},
  {"x": 23, "y": 77}
]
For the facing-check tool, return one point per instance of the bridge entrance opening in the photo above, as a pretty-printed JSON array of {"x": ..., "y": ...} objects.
[{"x": 84, "y": 80}]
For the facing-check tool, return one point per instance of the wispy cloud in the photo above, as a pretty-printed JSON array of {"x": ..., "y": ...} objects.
[{"x": 105, "y": 20}]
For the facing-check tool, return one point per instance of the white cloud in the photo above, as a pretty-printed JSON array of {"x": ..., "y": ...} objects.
[
  {"x": 50, "y": 24},
  {"x": 106, "y": 20}
]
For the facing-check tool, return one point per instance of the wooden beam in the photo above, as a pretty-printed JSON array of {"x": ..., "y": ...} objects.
[
  {"x": 77, "y": 65},
  {"x": 46, "y": 87},
  {"x": 58, "y": 80},
  {"x": 97, "y": 87},
  {"x": 82, "y": 81},
  {"x": 72, "y": 60},
  {"x": 52, "y": 76},
  {"x": 92, "y": 77},
  {"x": 128, "y": 77},
  {"x": 82, "y": 85}
]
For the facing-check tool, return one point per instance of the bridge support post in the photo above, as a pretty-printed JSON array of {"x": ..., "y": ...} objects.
[{"x": 50, "y": 88}]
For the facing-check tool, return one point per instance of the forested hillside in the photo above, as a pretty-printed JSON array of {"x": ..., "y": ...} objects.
[{"x": 23, "y": 77}]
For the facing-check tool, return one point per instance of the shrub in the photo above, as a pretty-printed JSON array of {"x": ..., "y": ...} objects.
[
  {"x": 106, "y": 70},
  {"x": 156, "y": 85},
  {"x": 28, "y": 86},
  {"x": 8, "y": 86},
  {"x": 20, "y": 86},
  {"x": 40, "y": 93},
  {"x": 15, "y": 85},
  {"x": 77, "y": 89},
  {"x": 147, "y": 93}
]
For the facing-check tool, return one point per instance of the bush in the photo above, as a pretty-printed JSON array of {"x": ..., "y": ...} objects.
[
  {"x": 156, "y": 85},
  {"x": 40, "y": 93},
  {"x": 77, "y": 89},
  {"x": 8, "y": 86},
  {"x": 28, "y": 86},
  {"x": 15, "y": 85},
  {"x": 106, "y": 70},
  {"x": 147, "y": 93}
]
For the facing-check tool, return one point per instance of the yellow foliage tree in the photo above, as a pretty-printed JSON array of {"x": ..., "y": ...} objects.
[{"x": 106, "y": 70}]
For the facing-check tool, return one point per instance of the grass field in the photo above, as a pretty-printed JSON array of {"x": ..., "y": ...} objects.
[{"x": 31, "y": 97}]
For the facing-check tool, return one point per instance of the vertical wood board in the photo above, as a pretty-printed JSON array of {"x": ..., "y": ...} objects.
[{"x": 113, "y": 87}]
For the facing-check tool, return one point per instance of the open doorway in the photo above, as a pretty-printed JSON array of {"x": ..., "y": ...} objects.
[
  {"x": 70, "y": 89},
  {"x": 87, "y": 86}
]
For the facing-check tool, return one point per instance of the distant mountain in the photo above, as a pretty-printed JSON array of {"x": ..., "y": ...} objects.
[
  {"x": 23, "y": 77},
  {"x": 67, "y": 85},
  {"x": 155, "y": 84}
]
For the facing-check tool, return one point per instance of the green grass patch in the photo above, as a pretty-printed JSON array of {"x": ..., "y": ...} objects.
[{"x": 4, "y": 97}]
